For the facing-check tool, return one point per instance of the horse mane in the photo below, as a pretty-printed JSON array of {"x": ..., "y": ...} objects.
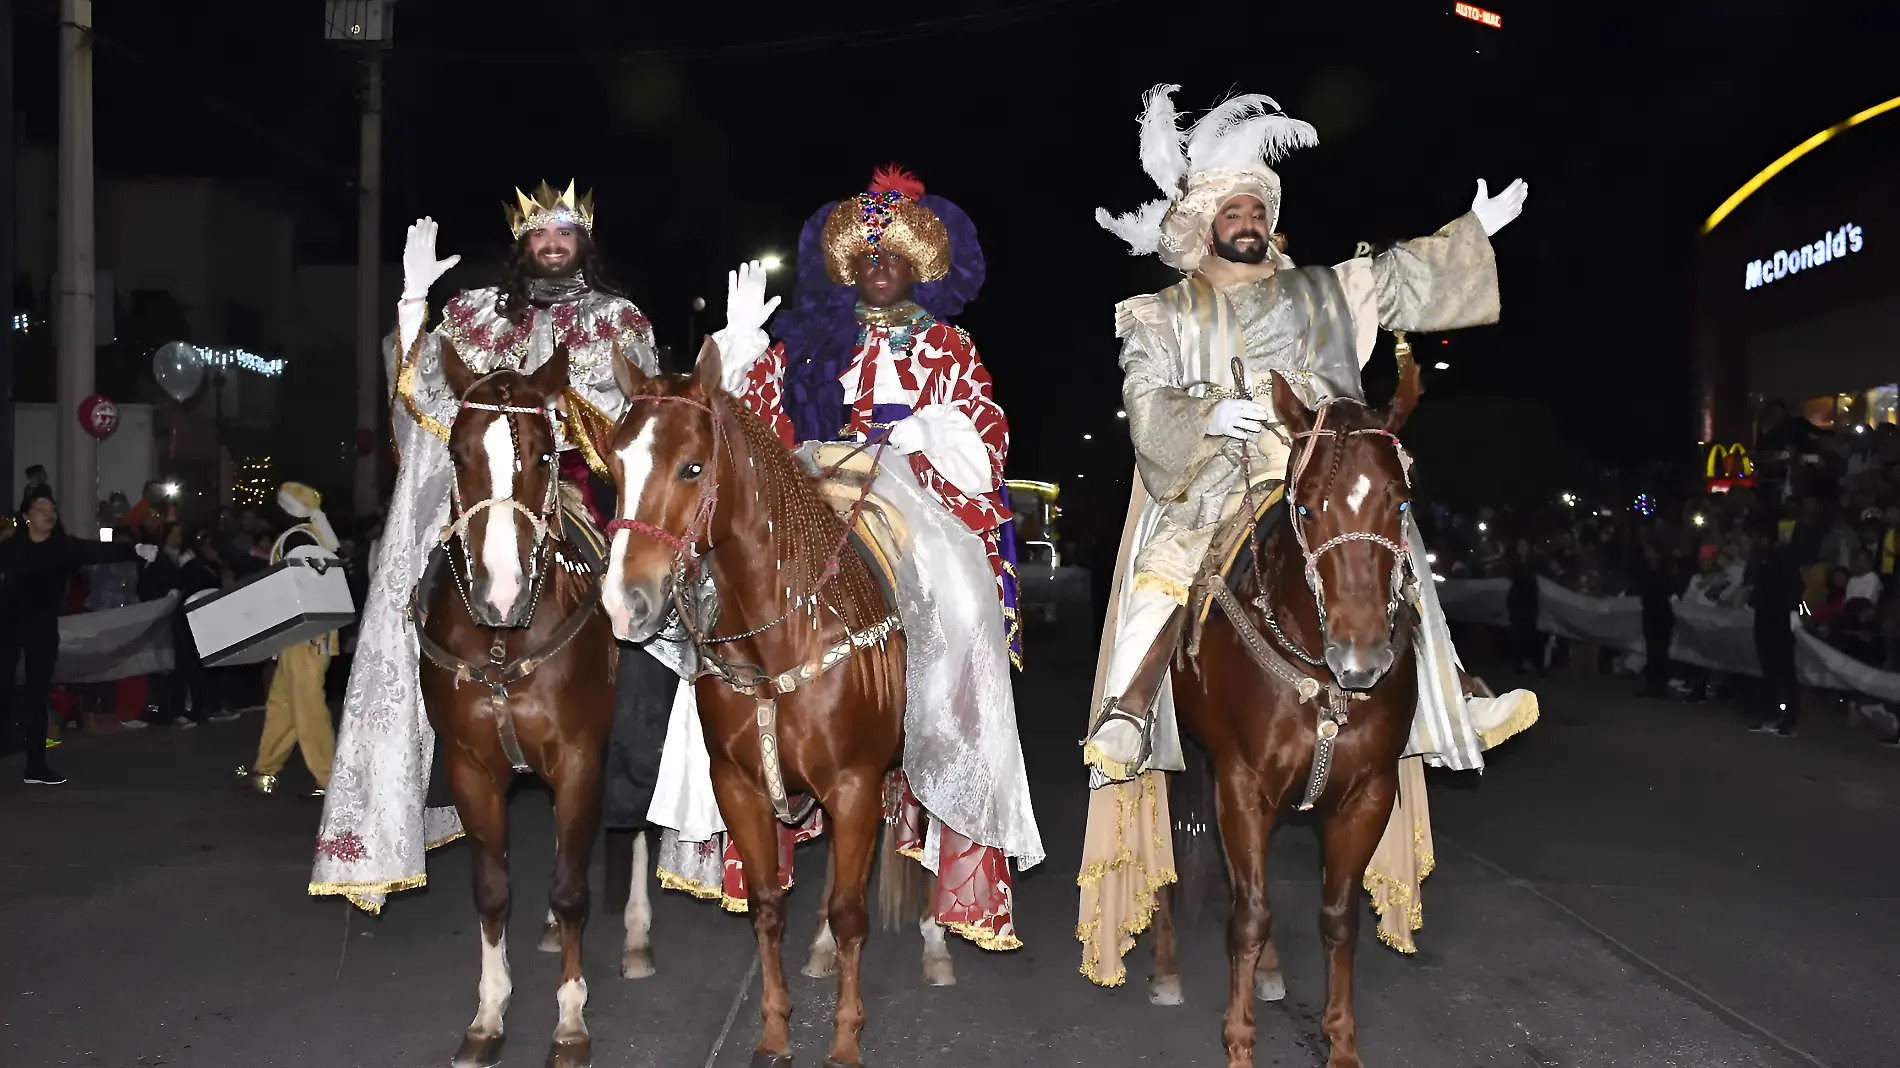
[{"x": 804, "y": 529}]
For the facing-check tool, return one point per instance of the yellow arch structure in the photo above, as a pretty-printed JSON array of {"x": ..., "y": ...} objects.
[{"x": 1735, "y": 199}]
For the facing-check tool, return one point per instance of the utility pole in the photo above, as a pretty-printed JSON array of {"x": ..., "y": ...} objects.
[
  {"x": 370, "y": 25},
  {"x": 369, "y": 218},
  {"x": 77, "y": 452},
  {"x": 8, "y": 165}
]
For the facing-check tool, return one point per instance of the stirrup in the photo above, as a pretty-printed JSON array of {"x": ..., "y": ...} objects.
[{"x": 1115, "y": 770}]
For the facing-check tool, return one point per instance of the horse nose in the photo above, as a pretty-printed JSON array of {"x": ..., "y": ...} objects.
[
  {"x": 1359, "y": 665},
  {"x": 497, "y": 593},
  {"x": 630, "y": 607}
]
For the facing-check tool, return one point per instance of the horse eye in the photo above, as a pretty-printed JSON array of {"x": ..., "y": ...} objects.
[
  {"x": 547, "y": 459},
  {"x": 1302, "y": 509},
  {"x": 1403, "y": 505},
  {"x": 691, "y": 470}
]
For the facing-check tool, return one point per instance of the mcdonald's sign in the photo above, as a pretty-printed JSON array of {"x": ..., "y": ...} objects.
[{"x": 1728, "y": 467}]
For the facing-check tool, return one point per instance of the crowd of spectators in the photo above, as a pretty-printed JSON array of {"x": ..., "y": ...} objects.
[
  {"x": 152, "y": 552},
  {"x": 1812, "y": 542}
]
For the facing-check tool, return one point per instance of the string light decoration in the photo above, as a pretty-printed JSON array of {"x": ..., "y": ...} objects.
[
  {"x": 1645, "y": 505},
  {"x": 253, "y": 484},
  {"x": 248, "y": 361},
  {"x": 22, "y": 322}
]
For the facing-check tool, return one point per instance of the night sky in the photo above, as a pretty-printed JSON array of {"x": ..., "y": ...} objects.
[{"x": 709, "y": 135}]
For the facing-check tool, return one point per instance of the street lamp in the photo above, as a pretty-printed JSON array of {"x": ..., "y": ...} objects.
[
  {"x": 771, "y": 262},
  {"x": 692, "y": 327}
]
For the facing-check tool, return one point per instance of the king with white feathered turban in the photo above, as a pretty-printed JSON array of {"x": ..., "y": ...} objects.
[{"x": 1200, "y": 434}]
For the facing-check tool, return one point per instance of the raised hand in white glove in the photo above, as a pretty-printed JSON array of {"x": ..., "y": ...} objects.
[
  {"x": 147, "y": 552},
  {"x": 420, "y": 268},
  {"x": 743, "y": 339},
  {"x": 909, "y": 436},
  {"x": 1495, "y": 211},
  {"x": 1238, "y": 418}
]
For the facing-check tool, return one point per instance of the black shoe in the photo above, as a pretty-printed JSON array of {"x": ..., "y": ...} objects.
[{"x": 43, "y": 776}]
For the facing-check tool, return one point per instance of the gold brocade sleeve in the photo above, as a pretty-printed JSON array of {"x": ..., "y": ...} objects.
[
  {"x": 1167, "y": 425},
  {"x": 588, "y": 427},
  {"x": 1447, "y": 281}
]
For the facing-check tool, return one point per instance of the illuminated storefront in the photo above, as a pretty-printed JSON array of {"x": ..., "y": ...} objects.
[{"x": 1798, "y": 286}]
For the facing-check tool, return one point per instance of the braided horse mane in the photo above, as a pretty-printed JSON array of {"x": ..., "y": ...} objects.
[{"x": 807, "y": 535}]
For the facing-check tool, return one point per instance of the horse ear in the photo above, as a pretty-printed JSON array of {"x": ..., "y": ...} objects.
[
  {"x": 547, "y": 379},
  {"x": 455, "y": 372},
  {"x": 1411, "y": 387},
  {"x": 627, "y": 374},
  {"x": 1293, "y": 412},
  {"x": 707, "y": 371}
]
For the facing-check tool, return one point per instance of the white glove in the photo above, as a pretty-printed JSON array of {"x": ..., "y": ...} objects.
[
  {"x": 909, "y": 436},
  {"x": 420, "y": 268},
  {"x": 1495, "y": 211},
  {"x": 743, "y": 339},
  {"x": 146, "y": 552},
  {"x": 1238, "y": 418}
]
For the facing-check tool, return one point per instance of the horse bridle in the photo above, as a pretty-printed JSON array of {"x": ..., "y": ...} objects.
[
  {"x": 1402, "y": 571},
  {"x": 522, "y": 614}
]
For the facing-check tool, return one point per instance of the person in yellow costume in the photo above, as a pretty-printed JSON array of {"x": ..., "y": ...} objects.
[{"x": 297, "y": 715}]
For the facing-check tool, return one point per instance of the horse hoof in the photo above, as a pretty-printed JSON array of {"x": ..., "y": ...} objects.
[
  {"x": 576, "y": 1054},
  {"x": 550, "y": 939},
  {"x": 1165, "y": 990},
  {"x": 478, "y": 1052},
  {"x": 636, "y": 964},
  {"x": 938, "y": 971},
  {"x": 762, "y": 1059},
  {"x": 1269, "y": 986},
  {"x": 821, "y": 965}
]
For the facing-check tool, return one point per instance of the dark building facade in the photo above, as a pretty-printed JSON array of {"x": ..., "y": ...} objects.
[{"x": 1797, "y": 294}]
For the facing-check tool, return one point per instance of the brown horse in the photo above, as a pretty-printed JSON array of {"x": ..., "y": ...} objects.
[
  {"x": 522, "y": 676},
  {"x": 805, "y": 685},
  {"x": 1310, "y": 702}
]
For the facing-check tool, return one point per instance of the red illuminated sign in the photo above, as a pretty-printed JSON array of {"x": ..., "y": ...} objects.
[{"x": 1478, "y": 14}]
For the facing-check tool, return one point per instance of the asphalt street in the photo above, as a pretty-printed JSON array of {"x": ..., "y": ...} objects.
[{"x": 1632, "y": 883}]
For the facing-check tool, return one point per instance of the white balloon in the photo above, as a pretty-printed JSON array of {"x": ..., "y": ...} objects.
[{"x": 179, "y": 368}]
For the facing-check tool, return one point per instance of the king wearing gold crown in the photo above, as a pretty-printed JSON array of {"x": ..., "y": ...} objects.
[{"x": 552, "y": 294}]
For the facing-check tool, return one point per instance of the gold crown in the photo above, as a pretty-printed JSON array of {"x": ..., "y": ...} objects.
[{"x": 531, "y": 213}]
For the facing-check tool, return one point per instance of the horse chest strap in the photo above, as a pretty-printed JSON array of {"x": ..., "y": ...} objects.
[
  {"x": 505, "y": 729},
  {"x": 1332, "y": 718}
]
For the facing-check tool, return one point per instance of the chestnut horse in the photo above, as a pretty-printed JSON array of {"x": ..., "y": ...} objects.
[
  {"x": 520, "y": 674},
  {"x": 1303, "y": 691},
  {"x": 804, "y": 683}
]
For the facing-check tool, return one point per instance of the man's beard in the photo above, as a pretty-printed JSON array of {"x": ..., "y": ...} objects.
[
  {"x": 1225, "y": 248},
  {"x": 567, "y": 268}
]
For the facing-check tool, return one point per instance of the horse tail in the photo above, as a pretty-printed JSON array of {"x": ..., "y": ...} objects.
[
  {"x": 1198, "y": 861},
  {"x": 901, "y": 885}
]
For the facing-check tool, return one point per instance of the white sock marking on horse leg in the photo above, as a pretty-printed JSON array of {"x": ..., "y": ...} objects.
[
  {"x": 495, "y": 988},
  {"x": 938, "y": 970},
  {"x": 636, "y": 954},
  {"x": 501, "y": 549},
  {"x": 1358, "y": 495},
  {"x": 572, "y": 999}
]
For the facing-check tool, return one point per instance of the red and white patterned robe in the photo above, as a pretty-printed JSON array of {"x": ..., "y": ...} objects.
[{"x": 940, "y": 369}]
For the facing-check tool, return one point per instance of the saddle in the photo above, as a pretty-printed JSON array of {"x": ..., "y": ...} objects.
[
  {"x": 1225, "y": 561},
  {"x": 880, "y": 535}
]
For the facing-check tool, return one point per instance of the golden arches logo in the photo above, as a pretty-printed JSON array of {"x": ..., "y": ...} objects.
[{"x": 1733, "y": 459}]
